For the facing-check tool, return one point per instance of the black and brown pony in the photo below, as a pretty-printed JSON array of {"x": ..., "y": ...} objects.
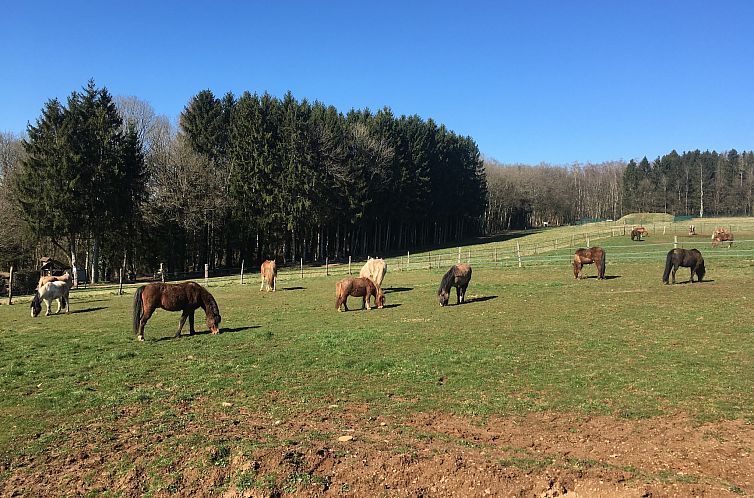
[
  {"x": 638, "y": 233},
  {"x": 361, "y": 287},
  {"x": 583, "y": 257},
  {"x": 459, "y": 277},
  {"x": 185, "y": 297},
  {"x": 688, "y": 258}
]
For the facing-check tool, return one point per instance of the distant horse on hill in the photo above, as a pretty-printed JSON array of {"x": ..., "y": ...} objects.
[
  {"x": 688, "y": 258},
  {"x": 457, "y": 276},
  {"x": 269, "y": 272},
  {"x": 185, "y": 297},
  {"x": 49, "y": 291},
  {"x": 722, "y": 235},
  {"x": 374, "y": 269},
  {"x": 639, "y": 233},
  {"x": 583, "y": 257}
]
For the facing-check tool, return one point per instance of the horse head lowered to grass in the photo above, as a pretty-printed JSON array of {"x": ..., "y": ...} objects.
[{"x": 185, "y": 297}]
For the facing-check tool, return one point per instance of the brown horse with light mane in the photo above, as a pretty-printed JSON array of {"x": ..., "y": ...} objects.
[
  {"x": 66, "y": 277},
  {"x": 722, "y": 235},
  {"x": 269, "y": 272},
  {"x": 358, "y": 287},
  {"x": 185, "y": 297},
  {"x": 583, "y": 257}
]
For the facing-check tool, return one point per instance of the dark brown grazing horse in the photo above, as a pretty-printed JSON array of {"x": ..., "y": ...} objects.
[
  {"x": 185, "y": 297},
  {"x": 269, "y": 270},
  {"x": 358, "y": 287},
  {"x": 688, "y": 258},
  {"x": 459, "y": 277},
  {"x": 583, "y": 257}
]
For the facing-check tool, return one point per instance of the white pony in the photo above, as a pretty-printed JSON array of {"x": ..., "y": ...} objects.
[
  {"x": 57, "y": 290},
  {"x": 374, "y": 269}
]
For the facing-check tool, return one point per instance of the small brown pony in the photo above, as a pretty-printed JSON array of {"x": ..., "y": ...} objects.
[
  {"x": 269, "y": 272},
  {"x": 374, "y": 269},
  {"x": 358, "y": 287},
  {"x": 66, "y": 277},
  {"x": 722, "y": 235},
  {"x": 185, "y": 297},
  {"x": 583, "y": 257},
  {"x": 639, "y": 232},
  {"x": 459, "y": 277}
]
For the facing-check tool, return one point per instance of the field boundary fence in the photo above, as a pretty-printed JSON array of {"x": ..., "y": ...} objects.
[{"x": 512, "y": 253}]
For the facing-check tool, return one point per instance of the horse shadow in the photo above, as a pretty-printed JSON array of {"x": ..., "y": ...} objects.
[
  {"x": 607, "y": 277},
  {"x": 706, "y": 280},
  {"x": 205, "y": 332},
  {"x": 89, "y": 310},
  {"x": 293, "y": 288},
  {"x": 480, "y": 299},
  {"x": 394, "y": 305},
  {"x": 397, "y": 289}
]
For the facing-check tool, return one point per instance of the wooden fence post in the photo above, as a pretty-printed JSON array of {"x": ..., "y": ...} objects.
[
  {"x": 242, "y": 262},
  {"x": 494, "y": 255},
  {"x": 675, "y": 241},
  {"x": 469, "y": 260},
  {"x": 206, "y": 274},
  {"x": 120, "y": 282},
  {"x": 302, "y": 267},
  {"x": 459, "y": 255},
  {"x": 571, "y": 241},
  {"x": 518, "y": 253},
  {"x": 349, "y": 264},
  {"x": 327, "y": 267},
  {"x": 93, "y": 276},
  {"x": 587, "y": 240},
  {"x": 429, "y": 259},
  {"x": 10, "y": 287},
  {"x": 162, "y": 273}
]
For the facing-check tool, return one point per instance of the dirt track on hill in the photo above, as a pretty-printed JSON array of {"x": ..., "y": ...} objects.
[{"x": 347, "y": 451}]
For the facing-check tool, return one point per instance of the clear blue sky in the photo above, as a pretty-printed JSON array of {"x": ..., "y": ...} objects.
[{"x": 554, "y": 81}]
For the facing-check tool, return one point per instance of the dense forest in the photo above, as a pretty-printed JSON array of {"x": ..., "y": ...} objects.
[
  {"x": 242, "y": 178},
  {"x": 106, "y": 180}
]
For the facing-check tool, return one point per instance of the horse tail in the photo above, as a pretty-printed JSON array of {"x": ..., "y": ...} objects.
[
  {"x": 668, "y": 266},
  {"x": 138, "y": 309}
]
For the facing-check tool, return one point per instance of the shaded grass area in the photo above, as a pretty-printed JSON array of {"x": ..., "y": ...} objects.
[{"x": 532, "y": 339}]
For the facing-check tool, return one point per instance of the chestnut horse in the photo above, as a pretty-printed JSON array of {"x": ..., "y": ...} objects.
[
  {"x": 722, "y": 235},
  {"x": 374, "y": 269},
  {"x": 66, "y": 277},
  {"x": 185, "y": 297},
  {"x": 583, "y": 257},
  {"x": 459, "y": 277},
  {"x": 688, "y": 258},
  {"x": 358, "y": 287},
  {"x": 269, "y": 272}
]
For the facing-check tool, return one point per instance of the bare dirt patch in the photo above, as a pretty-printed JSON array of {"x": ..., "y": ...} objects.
[{"x": 350, "y": 451}]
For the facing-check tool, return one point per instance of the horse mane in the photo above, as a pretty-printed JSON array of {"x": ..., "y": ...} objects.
[
  {"x": 210, "y": 305},
  {"x": 447, "y": 280}
]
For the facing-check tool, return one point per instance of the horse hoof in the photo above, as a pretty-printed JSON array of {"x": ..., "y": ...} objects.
[{"x": 140, "y": 338}]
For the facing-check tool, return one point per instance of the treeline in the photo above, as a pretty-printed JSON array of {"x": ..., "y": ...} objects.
[
  {"x": 244, "y": 178},
  {"x": 693, "y": 183},
  {"x": 523, "y": 196}
]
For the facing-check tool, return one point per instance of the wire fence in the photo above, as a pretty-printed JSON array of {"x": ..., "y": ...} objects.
[{"x": 556, "y": 251}]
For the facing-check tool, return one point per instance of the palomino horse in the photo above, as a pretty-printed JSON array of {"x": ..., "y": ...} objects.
[
  {"x": 185, "y": 297},
  {"x": 722, "y": 235},
  {"x": 66, "y": 277},
  {"x": 688, "y": 258},
  {"x": 638, "y": 233},
  {"x": 374, "y": 269},
  {"x": 269, "y": 272},
  {"x": 358, "y": 287},
  {"x": 46, "y": 292},
  {"x": 458, "y": 276},
  {"x": 583, "y": 257}
]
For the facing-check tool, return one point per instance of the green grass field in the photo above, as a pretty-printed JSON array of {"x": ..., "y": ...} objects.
[{"x": 529, "y": 339}]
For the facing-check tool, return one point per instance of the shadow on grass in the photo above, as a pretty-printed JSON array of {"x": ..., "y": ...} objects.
[
  {"x": 397, "y": 289},
  {"x": 205, "y": 332},
  {"x": 292, "y": 288},
  {"x": 695, "y": 282},
  {"x": 394, "y": 305},
  {"x": 607, "y": 277},
  {"x": 480, "y": 299},
  {"x": 89, "y": 310}
]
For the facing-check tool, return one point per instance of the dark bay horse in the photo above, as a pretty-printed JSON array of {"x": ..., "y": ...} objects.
[
  {"x": 358, "y": 287},
  {"x": 688, "y": 258},
  {"x": 583, "y": 257},
  {"x": 185, "y": 297},
  {"x": 459, "y": 277}
]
